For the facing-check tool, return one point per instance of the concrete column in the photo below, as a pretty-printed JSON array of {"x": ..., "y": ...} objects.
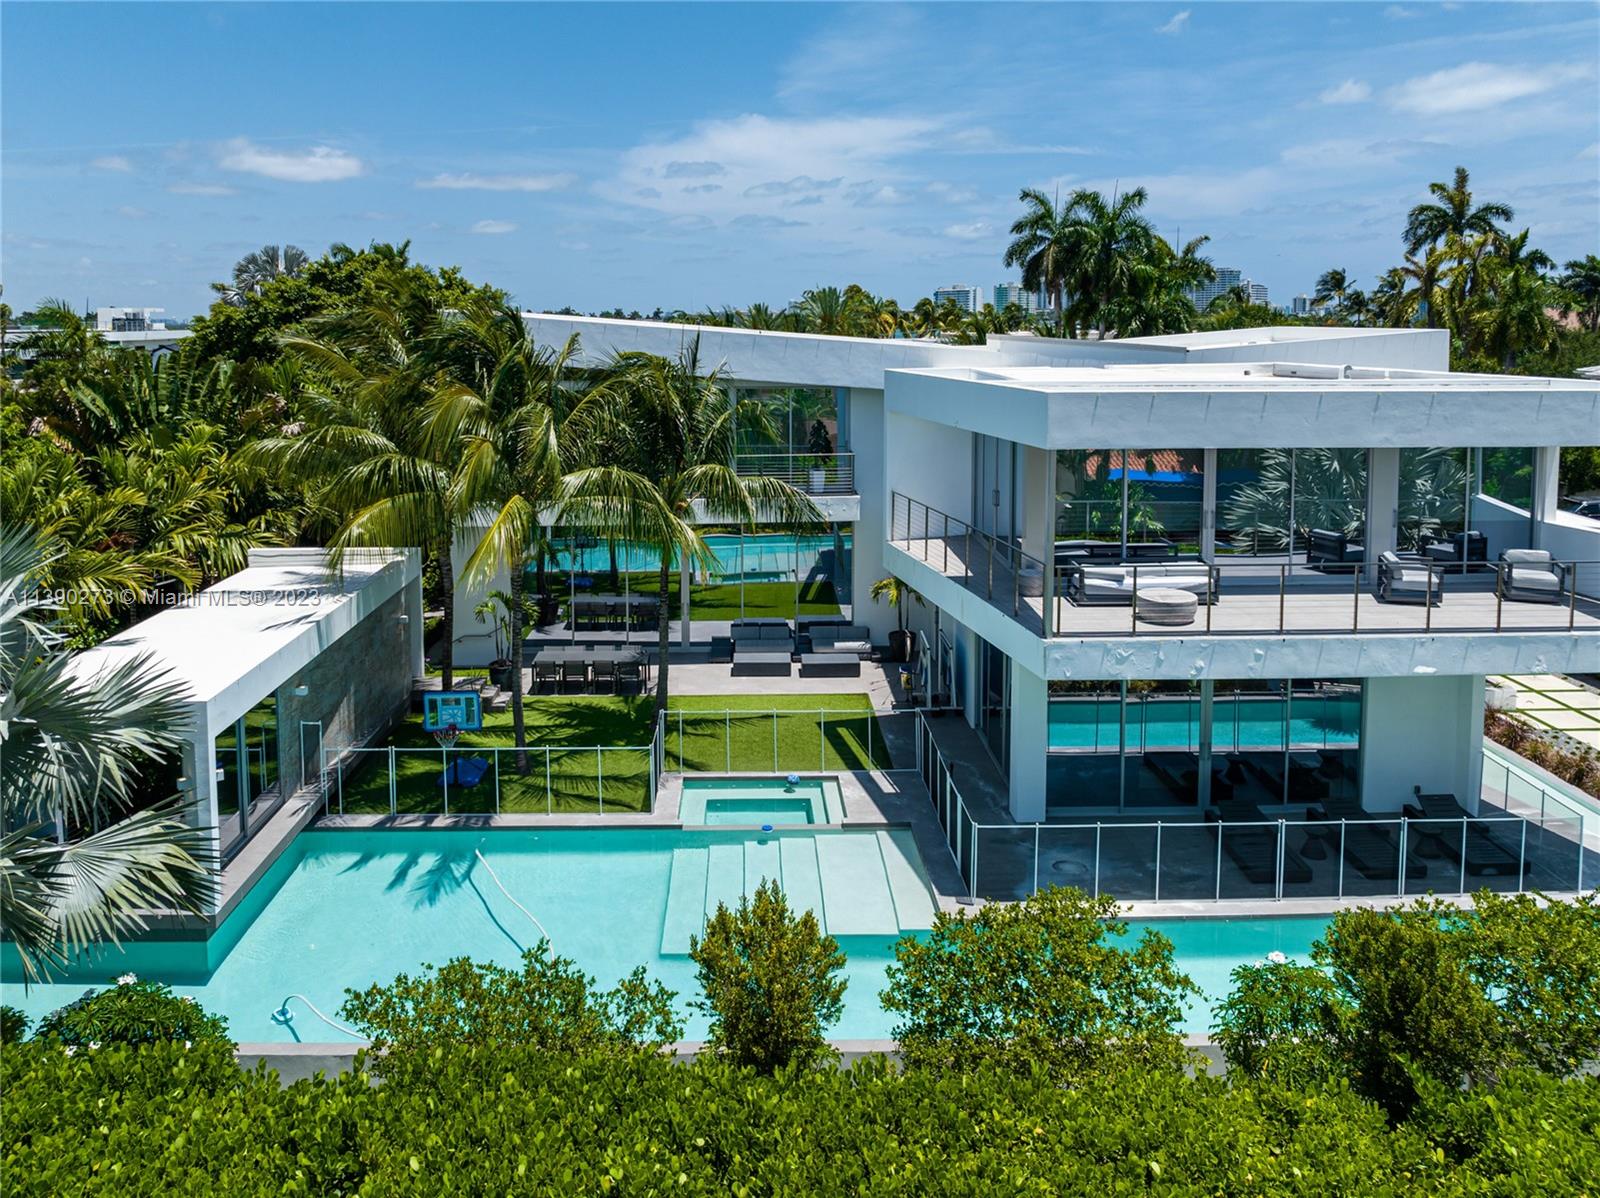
[
  {"x": 1029, "y": 728},
  {"x": 1208, "y": 689},
  {"x": 1037, "y": 537},
  {"x": 871, "y": 529},
  {"x": 1421, "y": 730},
  {"x": 1546, "y": 489},
  {"x": 1208, "y": 507},
  {"x": 683, "y": 602},
  {"x": 1383, "y": 502},
  {"x": 968, "y": 647},
  {"x": 414, "y": 621}
]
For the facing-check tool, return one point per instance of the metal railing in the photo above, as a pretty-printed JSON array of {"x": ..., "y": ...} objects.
[
  {"x": 815, "y": 474},
  {"x": 778, "y": 741},
  {"x": 1541, "y": 848},
  {"x": 476, "y": 780},
  {"x": 991, "y": 567}
]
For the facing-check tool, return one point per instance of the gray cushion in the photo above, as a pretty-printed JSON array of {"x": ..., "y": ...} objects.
[
  {"x": 1390, "y": 557},
  {"x": 1538, "y": 557},
  {"x": 1535, "y": 580}
]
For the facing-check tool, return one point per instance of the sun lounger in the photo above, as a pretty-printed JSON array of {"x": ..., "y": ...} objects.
[
  {"x": 1485, "y": 854},
  {"x": 1253, "y": 847}
]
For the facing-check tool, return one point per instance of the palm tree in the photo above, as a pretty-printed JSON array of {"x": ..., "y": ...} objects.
[
  {"x": 509, "y": 412},
  {"x": 1580, "y": 286},
  {"x": 1331, "y": 289},
  {"x": 255, "y": 270},
  {"x": 1515, "y": 317},
  {"x": 77, "y": 864},
  {"x": 1108, "y": 242},
  {"x": 680, "y": 473},
  {"x": 1453, "y": 215},
  {"x": 1040, "y": 246},
  {"x": 361, "y": 446}
]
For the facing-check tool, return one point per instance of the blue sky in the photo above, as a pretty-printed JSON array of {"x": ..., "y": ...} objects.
[{"x": 695, "y": 155}]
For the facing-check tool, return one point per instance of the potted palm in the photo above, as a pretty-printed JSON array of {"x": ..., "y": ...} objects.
[
  {"x": 897, "y": 593},
  {"x": 495, "y": 610},
  {"x": 820, "y": 446}
]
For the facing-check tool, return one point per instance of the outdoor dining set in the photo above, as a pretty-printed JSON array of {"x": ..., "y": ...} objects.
[{"x": 589, "y": 669}]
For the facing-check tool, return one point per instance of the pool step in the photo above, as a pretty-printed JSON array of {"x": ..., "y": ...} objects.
[
  {"x": 761, "y": 861},
  {"x": 802, "y": 884},
  {"x": 686, "y": 900},
  {"x": 724, "y": 877},
  {"x": 913, "y": 902},
  {"x": 855, "y": 888}
]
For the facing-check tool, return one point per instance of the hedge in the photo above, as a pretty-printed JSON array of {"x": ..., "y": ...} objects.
[{"x": 161, "y": 1119}]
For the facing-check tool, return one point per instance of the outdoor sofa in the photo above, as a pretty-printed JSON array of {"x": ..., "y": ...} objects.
[
  {"x": 1327, "y": 548},
  {"x": 1115, "y": 584},
  {"x": 842, "y": 638},
  {"x": 1401, "y": 581}
]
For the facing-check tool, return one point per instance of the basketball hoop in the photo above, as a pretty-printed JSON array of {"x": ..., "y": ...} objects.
[{"x": 447, "y": 736}]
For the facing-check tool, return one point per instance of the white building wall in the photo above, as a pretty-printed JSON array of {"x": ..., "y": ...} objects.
[
  {"x": 1425, "y": 731},
  {"x": 1029, "y": 730}
]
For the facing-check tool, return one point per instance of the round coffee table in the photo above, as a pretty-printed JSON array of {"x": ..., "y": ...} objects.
[{"x": 1165, "y": 605}]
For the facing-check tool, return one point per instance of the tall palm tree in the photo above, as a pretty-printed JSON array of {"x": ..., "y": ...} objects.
[
  {"x": 361, "y": 445},
  {"x": 1580, "y": 286},
  {"x": 77, "y": 864},
  {"x": 680, "y": 473},
  {"x": 1453, "y": 215},
  {"x": 511, "y": 413},
  {"x": 255, "y": 270},
  {"x": 1040, "y": 246},
  {"x": 1107, "y": 241},
  {"x": 1515, "y": 317},
  {"x": 1331, "y": 289}
]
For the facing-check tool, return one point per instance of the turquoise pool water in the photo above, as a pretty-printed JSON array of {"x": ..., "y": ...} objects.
[
  {"x": 350, "y": 908},
  {"x": 1237, "y": 725},
  {"x": 770, "y": 555},
  {"x": 744, "y": 812}
]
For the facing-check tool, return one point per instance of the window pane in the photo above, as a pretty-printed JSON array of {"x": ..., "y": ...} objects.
[
  {"x": 1253, "y": 489},
  {"x": 1089, "y": 495},
  {"x": 1433, "y": 489},
  {"x": 1330, "y": 493},
  {"x": 1166, "y": 490}
]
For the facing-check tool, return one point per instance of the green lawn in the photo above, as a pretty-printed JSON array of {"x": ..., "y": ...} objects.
[
  {"x": 720, "y": 600},
  {"x": 828, "y": 732}
]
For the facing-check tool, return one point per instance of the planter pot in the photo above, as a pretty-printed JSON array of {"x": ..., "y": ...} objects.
[
  {"x": 500, "y": 673},
  {"x": 899, "y": 645},
  {"x": 819, "y": 480}
]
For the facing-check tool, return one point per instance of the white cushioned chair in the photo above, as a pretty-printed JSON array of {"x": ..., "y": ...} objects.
[
  {"x": 1533, "y": 575},
  {"x": 1400, "y": 581}
]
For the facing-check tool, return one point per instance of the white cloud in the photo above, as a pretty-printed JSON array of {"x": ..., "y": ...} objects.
[
  {"x": 1346, "y": 152},
  {"x": 1351, "y": 91},
  {"x": 1397, "y": 13},
  {"x": 976, "y": 231},
  {"x": 692, "y": 170},
  {"x": 1474, "y": 86},
  {"x": 1177, "y": 24},
  {"x": 111, "y": 162},
  {"x": 494, "y": 227},
  {"x": 132, "y": 213},
  {"x": 319, "y": 164},
  {"x": 467, "y": 181},
  {"x": 201, "y": 189},
  {"x": 1592, "y": 150}
]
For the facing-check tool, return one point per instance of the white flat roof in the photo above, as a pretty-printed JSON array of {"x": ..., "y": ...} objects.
[
  {"x": 1252, "y": 376},
  {"x": 285, "y": 604}
]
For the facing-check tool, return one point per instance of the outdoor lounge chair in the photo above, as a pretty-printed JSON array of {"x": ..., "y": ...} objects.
[
  {"x": 630, "y": 678},
  {"x": 1400, "y": 581},
  {"x": 1324, "y": 548},
  {"x": 1532, "y": 574},
  {"x": 1485, "y": 854},
  {"x": 1254, "y": 847},
  {"x": 464, "y": 771},
  {"x": 1371, "y": 849}
]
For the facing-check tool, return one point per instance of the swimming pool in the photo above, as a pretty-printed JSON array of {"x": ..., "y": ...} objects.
[
  {"x": 348, "y": 908},
  {"x": 752, "y": 802},
  {"x": 756, "y": 558}
]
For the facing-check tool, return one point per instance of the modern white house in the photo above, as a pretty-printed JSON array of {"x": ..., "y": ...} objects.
[{"x": 1162, "y": 574}]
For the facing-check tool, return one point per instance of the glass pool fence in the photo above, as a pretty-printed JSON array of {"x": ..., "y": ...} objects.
[
  {"x": 778, "y": 741},
  {"x": 1527, "y": 835}
]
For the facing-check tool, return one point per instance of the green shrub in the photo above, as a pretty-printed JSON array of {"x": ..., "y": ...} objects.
[
  {"x": 1038, "y": 982},
  {"x": 550, "y": 1005},
  {"x": 13, "y": 1025},
  {"x": 132, "y": 1012},
  {"x": 159, "y": 1120},
  {"x": 1282, "y": 1021},
  {"x": 769, "y": 981}
]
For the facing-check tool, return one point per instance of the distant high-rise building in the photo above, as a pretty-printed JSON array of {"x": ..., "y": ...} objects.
[
  {"x": 968, "y": 299},
  {"x": 1301, "y": 306},
  {"x": 1227, "y": 279},
  {"x": 1015, "y": 293}
]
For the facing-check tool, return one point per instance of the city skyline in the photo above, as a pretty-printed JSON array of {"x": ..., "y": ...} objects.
[{"x": 761, "y": 183}]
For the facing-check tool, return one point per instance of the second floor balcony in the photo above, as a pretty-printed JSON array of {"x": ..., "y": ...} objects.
[
  {"x": 815, "y": 474},
  {"x": 1151, "y": 592}
]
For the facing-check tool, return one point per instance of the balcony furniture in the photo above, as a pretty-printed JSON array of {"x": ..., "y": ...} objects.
[
  {"x": 1166, "y": 605},
  {"x": 850, "y": 639},
  {"x": 1485, "y": 854},
  {"x": 1158, "y": 550},
  {"x": 833, "y": 665},
  {"x": 1532, "y": 574},
  {"x": 1253, "y": 845},
  {"x": 605, "y": 675},
  {"x": 1400, "y": 581},
  {"x": 1459, "y": 548},
  {"x": 758, "y": 661},
  {"x": 1115, "y": 584},
  {"x": 575, "y": 673},
  {"x": 1332, "y": 548},
  {"x": 1030, "y": 581},
  {"x": 1077, "y": 553},
  {"x": 1371, "y": 849}
]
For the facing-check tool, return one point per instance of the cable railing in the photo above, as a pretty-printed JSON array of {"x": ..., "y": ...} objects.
[
  {"x": 1152, "y": 588},
  {"x": 815, "y": 474},
  {"x": 1512, "y": 849},
  {"x": 992, "y": 567}
]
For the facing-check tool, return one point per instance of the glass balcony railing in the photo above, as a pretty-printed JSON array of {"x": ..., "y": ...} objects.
[{"x": 815, "y": 474}]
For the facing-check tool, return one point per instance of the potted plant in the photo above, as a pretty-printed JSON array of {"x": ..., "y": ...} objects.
[
  {"x": 820, "y": 446},
  {"x": 495, "y": 610},
  {"x": 897, "y": 593}
]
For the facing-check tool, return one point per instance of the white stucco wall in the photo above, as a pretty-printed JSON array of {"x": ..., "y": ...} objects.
[{"x": 1424, "y": 732}]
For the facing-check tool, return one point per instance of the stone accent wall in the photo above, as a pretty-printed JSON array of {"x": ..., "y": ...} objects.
[{"x": 357, "y": 687}]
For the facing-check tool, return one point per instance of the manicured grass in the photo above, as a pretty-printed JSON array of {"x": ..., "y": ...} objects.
[
  {"x": 720, "y": 600},
  {"x": 813, "y": 732}
]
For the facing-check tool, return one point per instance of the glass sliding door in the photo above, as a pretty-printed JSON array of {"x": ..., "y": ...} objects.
[
  {"x": 246, "y": 763},
  {"x": 1166, "y": 491},
  {"x": 1255, "y": 502},
  {"x": 1089, "y": 501},
  {"x": 1434, "y": 487},
  {"x": 1161, "y": 762},
  {"x": 994, "y": 712},
  {"x": 225, "y": 757},
  {"x": 1330, "y": 496},
  {"x": 994, "y": 473}
]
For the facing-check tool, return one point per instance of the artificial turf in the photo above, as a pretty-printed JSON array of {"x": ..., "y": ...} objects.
[
  {"x": 720, "y": 600},
  {"x": 764, "y": 734}
]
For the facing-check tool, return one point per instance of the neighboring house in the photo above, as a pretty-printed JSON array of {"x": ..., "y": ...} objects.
[{"x": 1017, "y": 485}]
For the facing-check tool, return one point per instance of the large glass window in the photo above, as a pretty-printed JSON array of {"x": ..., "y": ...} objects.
[
  {"x": 1433, "y": 495},
  {"x": 994, "y": 474},
  {"x": 1166, "y": 492},
  {"x": 1271, "y": 501},
  {"x": 994, "y": 714},
  {"x": 1089, "y": 496},
  {"x": 795, "y": 420},
  {"x": 246, "y": 761},
  {"x": 1108, "y": 499}
]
